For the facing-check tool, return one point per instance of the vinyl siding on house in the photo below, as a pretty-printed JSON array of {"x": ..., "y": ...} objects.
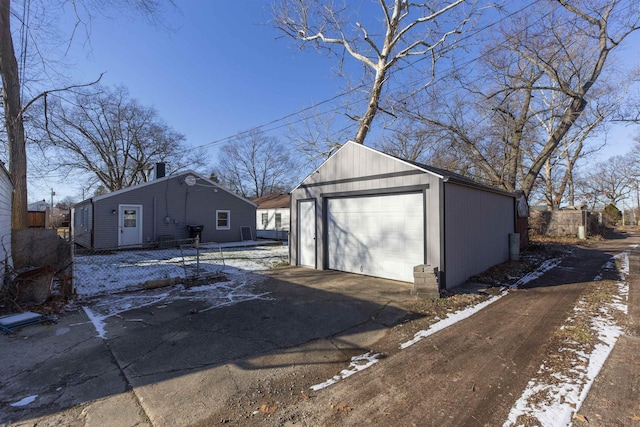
[
  {"x": 270, "y": 229},
  {"x": 82, "y": 223},
  {"x": 6, "y": 192},
  {"x": 169, "y": 207},
  {"x": 271, "y": 214}
]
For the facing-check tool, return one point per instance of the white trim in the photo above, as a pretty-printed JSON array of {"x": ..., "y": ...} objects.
[
  {"x": 310, "y": 239},
  {"x": 228, "y": 227},
  {"x": 139, "y": 223}
]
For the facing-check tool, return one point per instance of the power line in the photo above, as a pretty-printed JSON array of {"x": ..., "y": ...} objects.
[{"x": 266, "y": 128}]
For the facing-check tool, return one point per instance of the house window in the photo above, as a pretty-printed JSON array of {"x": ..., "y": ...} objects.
[
  {"x": 223, "y": 220},
  {"x": 278, "y": 220},
  {"x": 265, "y": 219}
]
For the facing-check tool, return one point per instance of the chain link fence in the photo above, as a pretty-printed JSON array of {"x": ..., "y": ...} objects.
[{"x": 171, "y": 262}]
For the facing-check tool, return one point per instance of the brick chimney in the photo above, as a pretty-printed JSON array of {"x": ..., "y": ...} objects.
[{"x": 160, "y": 170}]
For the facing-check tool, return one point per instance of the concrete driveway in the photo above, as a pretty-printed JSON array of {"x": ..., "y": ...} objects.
[{"x": 177, "y": 362}]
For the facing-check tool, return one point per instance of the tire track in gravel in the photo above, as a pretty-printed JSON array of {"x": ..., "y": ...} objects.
[{"x": 470, "y": 373}]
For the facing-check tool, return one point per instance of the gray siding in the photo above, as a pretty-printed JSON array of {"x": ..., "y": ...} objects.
[
  {"x": 477, "y": 228},
  {"x": 466, "y": 228},
  {"x": 169, "y": 206},
  {"x": 357, "y": 170},
  {"x": 82, "y": 223},
  {"x": 6, "y": 192}
]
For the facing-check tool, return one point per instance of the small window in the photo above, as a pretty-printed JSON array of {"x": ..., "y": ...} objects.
[
  {"x": 265, "y": 219},
  {"x": 278, "y": 220},
  {"x": 223, "y": 220},
  {"x": 129, "y": 218}
]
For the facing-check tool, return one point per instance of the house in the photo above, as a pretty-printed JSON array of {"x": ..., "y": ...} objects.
[
  {"x": 168, "y": 208},
  {"x": 365, "y": 212},
  {"x": 273, "y": 216},
  {"x": 6, "y": 197}
]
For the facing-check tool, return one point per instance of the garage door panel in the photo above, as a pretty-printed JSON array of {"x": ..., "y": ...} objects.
[{"x": 377, "y": 235}]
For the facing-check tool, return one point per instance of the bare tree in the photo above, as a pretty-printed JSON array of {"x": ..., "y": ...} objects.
[
  {"x": 317, "y": 135},
  {"x": 556, "y": 52},
  {"x": 12, "y": 74},
  {"x": 254, "y": 164},
  {"x": 409, "y": 142},
  {"x": 113, "y": 137},
  {"x": 610, "y": 181},
  {"x": 402, "y": 31},
  {"x": 559, "y": 170}
]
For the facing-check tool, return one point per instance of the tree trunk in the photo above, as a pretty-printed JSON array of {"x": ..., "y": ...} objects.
[
  {"x": 13, "y": 119},
  {"x": 569, "y": 117},
  {"x": 372, "y": 108},
  {"x": 548, "y": 188}
]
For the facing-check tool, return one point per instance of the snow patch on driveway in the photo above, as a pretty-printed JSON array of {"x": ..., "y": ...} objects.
[
  {"x": 564, "y": 397},
  {"x": 452, "y": 318},
  {"x": 125, "y": 272},
  {"x": 358, "y": 363}
]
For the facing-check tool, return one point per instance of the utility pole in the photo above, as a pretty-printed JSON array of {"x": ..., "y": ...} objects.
[
  {"x": 53, "y": 193},
  {"x": 637, "y": 202}
]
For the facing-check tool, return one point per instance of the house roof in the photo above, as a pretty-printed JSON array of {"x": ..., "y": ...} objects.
[
  {"x": 200, "y": 180},
  {"x": 273, "y": 201}
]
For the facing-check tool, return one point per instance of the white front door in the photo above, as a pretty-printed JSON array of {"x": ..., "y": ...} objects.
[
  {"x": 129, "y": 225},
  {"x": 307, "y": 233},
  {"x": 380, "y": 236}
]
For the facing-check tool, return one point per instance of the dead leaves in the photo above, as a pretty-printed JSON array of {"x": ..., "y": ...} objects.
[
  {"x": 581, "y": 417},
  {"x": 339, "y": 407},
  {"x": 268, "y": 409}
]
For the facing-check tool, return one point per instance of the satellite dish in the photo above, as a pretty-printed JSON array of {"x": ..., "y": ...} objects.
[{"x": 190, "y": 180}]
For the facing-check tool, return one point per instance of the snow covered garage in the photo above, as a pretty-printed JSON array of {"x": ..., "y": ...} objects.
[{"x": 365, "y": 212}]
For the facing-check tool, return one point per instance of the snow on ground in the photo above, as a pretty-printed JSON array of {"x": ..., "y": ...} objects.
[
  {"x": 126, "y": 270},
  {"x": 455, "y": 317},
  {"x": 358, "y": 363},
  {"x": 24, "y": 402},
  {"x": 451, "y": 319},
  {"x": 111, "y": 284},
  {"x": 538, "y": 272},
  {"x": 564, "y": 397}
]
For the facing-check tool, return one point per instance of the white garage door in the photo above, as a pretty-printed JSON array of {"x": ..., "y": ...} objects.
[{"x": 381, "y": 236}]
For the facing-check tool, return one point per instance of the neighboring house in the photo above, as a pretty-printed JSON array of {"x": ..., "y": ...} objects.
[
  {"x": 273, "y": 216},
  {"x": 6, "y": 193},
  {"x": 365, "y": 212},
  {"x": 167, "y": 208},
  {"x": 39, "y": 206}
]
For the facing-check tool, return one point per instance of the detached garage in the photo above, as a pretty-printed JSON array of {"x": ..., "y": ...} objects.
[{"x": 365, "y": 212}]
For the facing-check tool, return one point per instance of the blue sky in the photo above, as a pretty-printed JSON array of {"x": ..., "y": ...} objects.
[{"x": 220, "y": 70}]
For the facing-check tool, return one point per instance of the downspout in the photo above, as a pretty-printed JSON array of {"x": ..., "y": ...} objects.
[
  {"x": 155, "y": 221},
  {"x": 93, "y": 225},
  {"x": 291, "y": 214},
  {"x": 442, "y": 272}
]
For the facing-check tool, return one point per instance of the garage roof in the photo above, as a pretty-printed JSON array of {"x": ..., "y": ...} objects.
[{"x": 445, "y": 175}]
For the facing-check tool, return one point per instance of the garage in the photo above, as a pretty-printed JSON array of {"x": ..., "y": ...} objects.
[
  {"x": 366, "y": 235},
  {"x": 366, "y": 212}
]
